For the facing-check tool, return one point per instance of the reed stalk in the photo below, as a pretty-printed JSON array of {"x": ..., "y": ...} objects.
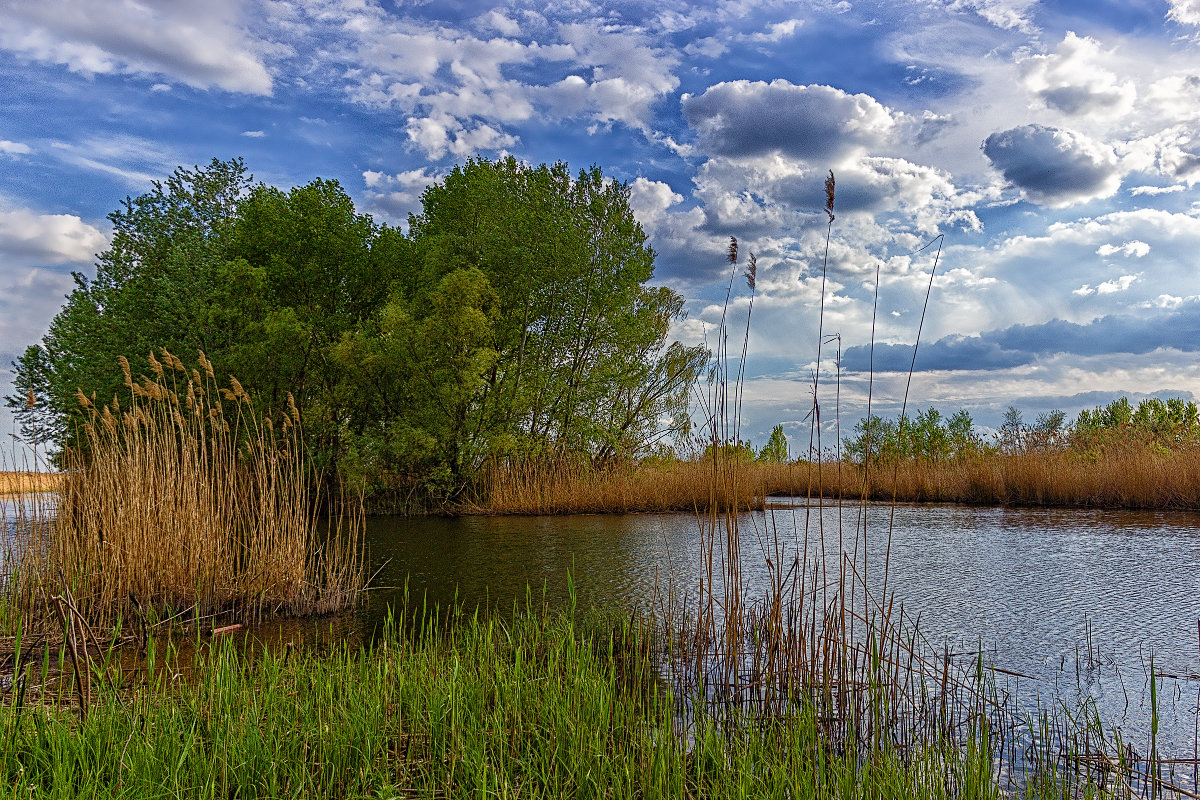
[{"x": 185, "y": 502}]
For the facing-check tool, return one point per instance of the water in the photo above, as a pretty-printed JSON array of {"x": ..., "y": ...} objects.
[
  {"x": 1076, "y": 600},
  {"x": 1079, "y": 601}
]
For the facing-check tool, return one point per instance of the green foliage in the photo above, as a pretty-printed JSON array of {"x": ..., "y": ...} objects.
[
  {"x": 513, "y": 321},
  {"x": 151, "y": 290},
  {"x": 775, "y": 451},
  {"x": 927, "y": 437},
  {"x": 1169, "y": 424},
  {"x": 567, "y": 358},
  {"x": 741, "y": 452}
]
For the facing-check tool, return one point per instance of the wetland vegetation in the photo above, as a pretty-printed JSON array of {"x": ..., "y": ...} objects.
[{"x": 502, "y": 354}]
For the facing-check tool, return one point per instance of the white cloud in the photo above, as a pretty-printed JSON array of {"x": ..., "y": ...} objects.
[
  {"x": 1117, "y": 284},
  {"x": 201, "y": 44},
  {"x": 1185, "y": 12},
  {"x": 442, "y": 133},
  {"x": 708, "y": 47},
  {"x": 14, "y": 148},
  {"x": 1134, "y": 248},
  {"x": 776, "y": 32},
  {"x": 495, "y": 20},
  {"x": 1075, "y": 81},
  {"x": 31, "y": 239},
  {"x": 1155, "y": 190},
  {"x": 1005, "y": 14},
  {"x": 400, "y": 194},
  {"x": 253, "y": 134}
]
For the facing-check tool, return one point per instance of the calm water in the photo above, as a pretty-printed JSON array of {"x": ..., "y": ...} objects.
[{"x": 1031, "y": 588}]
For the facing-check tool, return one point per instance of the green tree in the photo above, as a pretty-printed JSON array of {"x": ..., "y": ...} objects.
[
  {"x": 514, "y": 320},
  {"x": 151, "y": 288},
  {"x": 775, "y": 451},
  {"x": 581, "y": 365}
]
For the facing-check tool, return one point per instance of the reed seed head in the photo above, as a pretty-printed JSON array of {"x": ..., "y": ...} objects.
[
  {"x": 829, "y": 187},
  {"x": 206, "y": 365},
  {"x": 752, "y": 272},
  {"x": 733, "y": 249},
  {"x": 238, "y": 392},
  {"x": 155, "y": 365}
]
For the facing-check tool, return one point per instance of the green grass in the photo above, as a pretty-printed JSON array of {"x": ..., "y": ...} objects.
[{"x": 542, "y": 705}]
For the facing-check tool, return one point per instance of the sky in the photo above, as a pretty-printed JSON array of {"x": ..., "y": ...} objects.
[{"x": 1054, "y": 147}]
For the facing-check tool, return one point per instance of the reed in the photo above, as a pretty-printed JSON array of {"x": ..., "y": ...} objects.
[
  {"x": 1131, "y": 477},
  {"x": 567, "y": 486},
  {"x": 184, "y": 502},
  {"x": 22, "y": 482}
]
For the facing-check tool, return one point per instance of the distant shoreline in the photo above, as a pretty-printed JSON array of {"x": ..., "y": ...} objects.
[{"x": 19, "y": 483}]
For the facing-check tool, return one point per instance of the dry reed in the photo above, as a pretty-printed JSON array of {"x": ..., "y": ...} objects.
[
  {"x": 1133, "y": 477},
  {"x": 572, "y": 487},
  {"x": 186, "y": 502},
  {"x": 25, "y": 482}
]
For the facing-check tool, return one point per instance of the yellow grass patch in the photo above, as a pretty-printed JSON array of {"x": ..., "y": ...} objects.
[{"x": 29, "y": 482}]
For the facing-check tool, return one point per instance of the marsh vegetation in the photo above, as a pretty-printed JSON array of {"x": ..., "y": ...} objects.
[{"x": 505, "y": 354}]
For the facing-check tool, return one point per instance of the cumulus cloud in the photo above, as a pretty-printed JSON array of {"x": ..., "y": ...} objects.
[
  {"x": 201, "y": 44},
  {"x": 28, "y": 238},
  {"x": 443, "y": 133},
  {"x": 739, "y": 119},
  {"x": 1074, "y": 80},
  {"x": 1053, "y": 166}
]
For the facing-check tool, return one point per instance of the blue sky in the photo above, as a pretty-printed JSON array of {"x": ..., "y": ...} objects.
[{"x": 1054, "y": 144}]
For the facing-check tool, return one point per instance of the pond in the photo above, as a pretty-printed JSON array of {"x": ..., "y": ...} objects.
[{"x": 1079, "y": 601}]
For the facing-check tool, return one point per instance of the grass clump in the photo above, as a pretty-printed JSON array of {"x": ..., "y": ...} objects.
[
  {"x": 183, "y": 502},
  {"x": 545, "y": 705}
]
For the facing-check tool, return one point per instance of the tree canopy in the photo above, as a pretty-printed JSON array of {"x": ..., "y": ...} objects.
[{"x": 513, "y": 320}]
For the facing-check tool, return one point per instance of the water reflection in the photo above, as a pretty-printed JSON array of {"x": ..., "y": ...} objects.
[{"x": 1032, "y": 588}]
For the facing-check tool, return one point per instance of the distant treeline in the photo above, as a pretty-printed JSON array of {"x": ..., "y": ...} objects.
[
  {"x": 1164, "y": 425},
  {"x": 512, "y": 320}
]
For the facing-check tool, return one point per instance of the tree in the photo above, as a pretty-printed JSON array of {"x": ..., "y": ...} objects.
[
  {"x": 514, "y": 321},
  {"x": 150, "y": 291},
  {"x": 578, "y": 363},
  {"x": 775, "y": 451}
]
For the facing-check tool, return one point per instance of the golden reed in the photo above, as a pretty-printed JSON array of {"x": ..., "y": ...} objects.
[
  {"x": 1133, "y": 476},
  {"x": 187, "y": 502}
]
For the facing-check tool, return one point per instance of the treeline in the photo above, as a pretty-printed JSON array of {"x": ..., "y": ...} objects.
[
  {"x": 1160, "y": 425},
  {"x": 512, "y": 321}
]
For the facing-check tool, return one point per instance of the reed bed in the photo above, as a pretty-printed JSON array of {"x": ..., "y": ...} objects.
[
  {"x": 574, "y": 487},
  {"x": 22, "y": 482},
  {"x": 1125, "y": 477},
  {"x": 184, "y": 503},
  {"x": 1132, "y": 477}
]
